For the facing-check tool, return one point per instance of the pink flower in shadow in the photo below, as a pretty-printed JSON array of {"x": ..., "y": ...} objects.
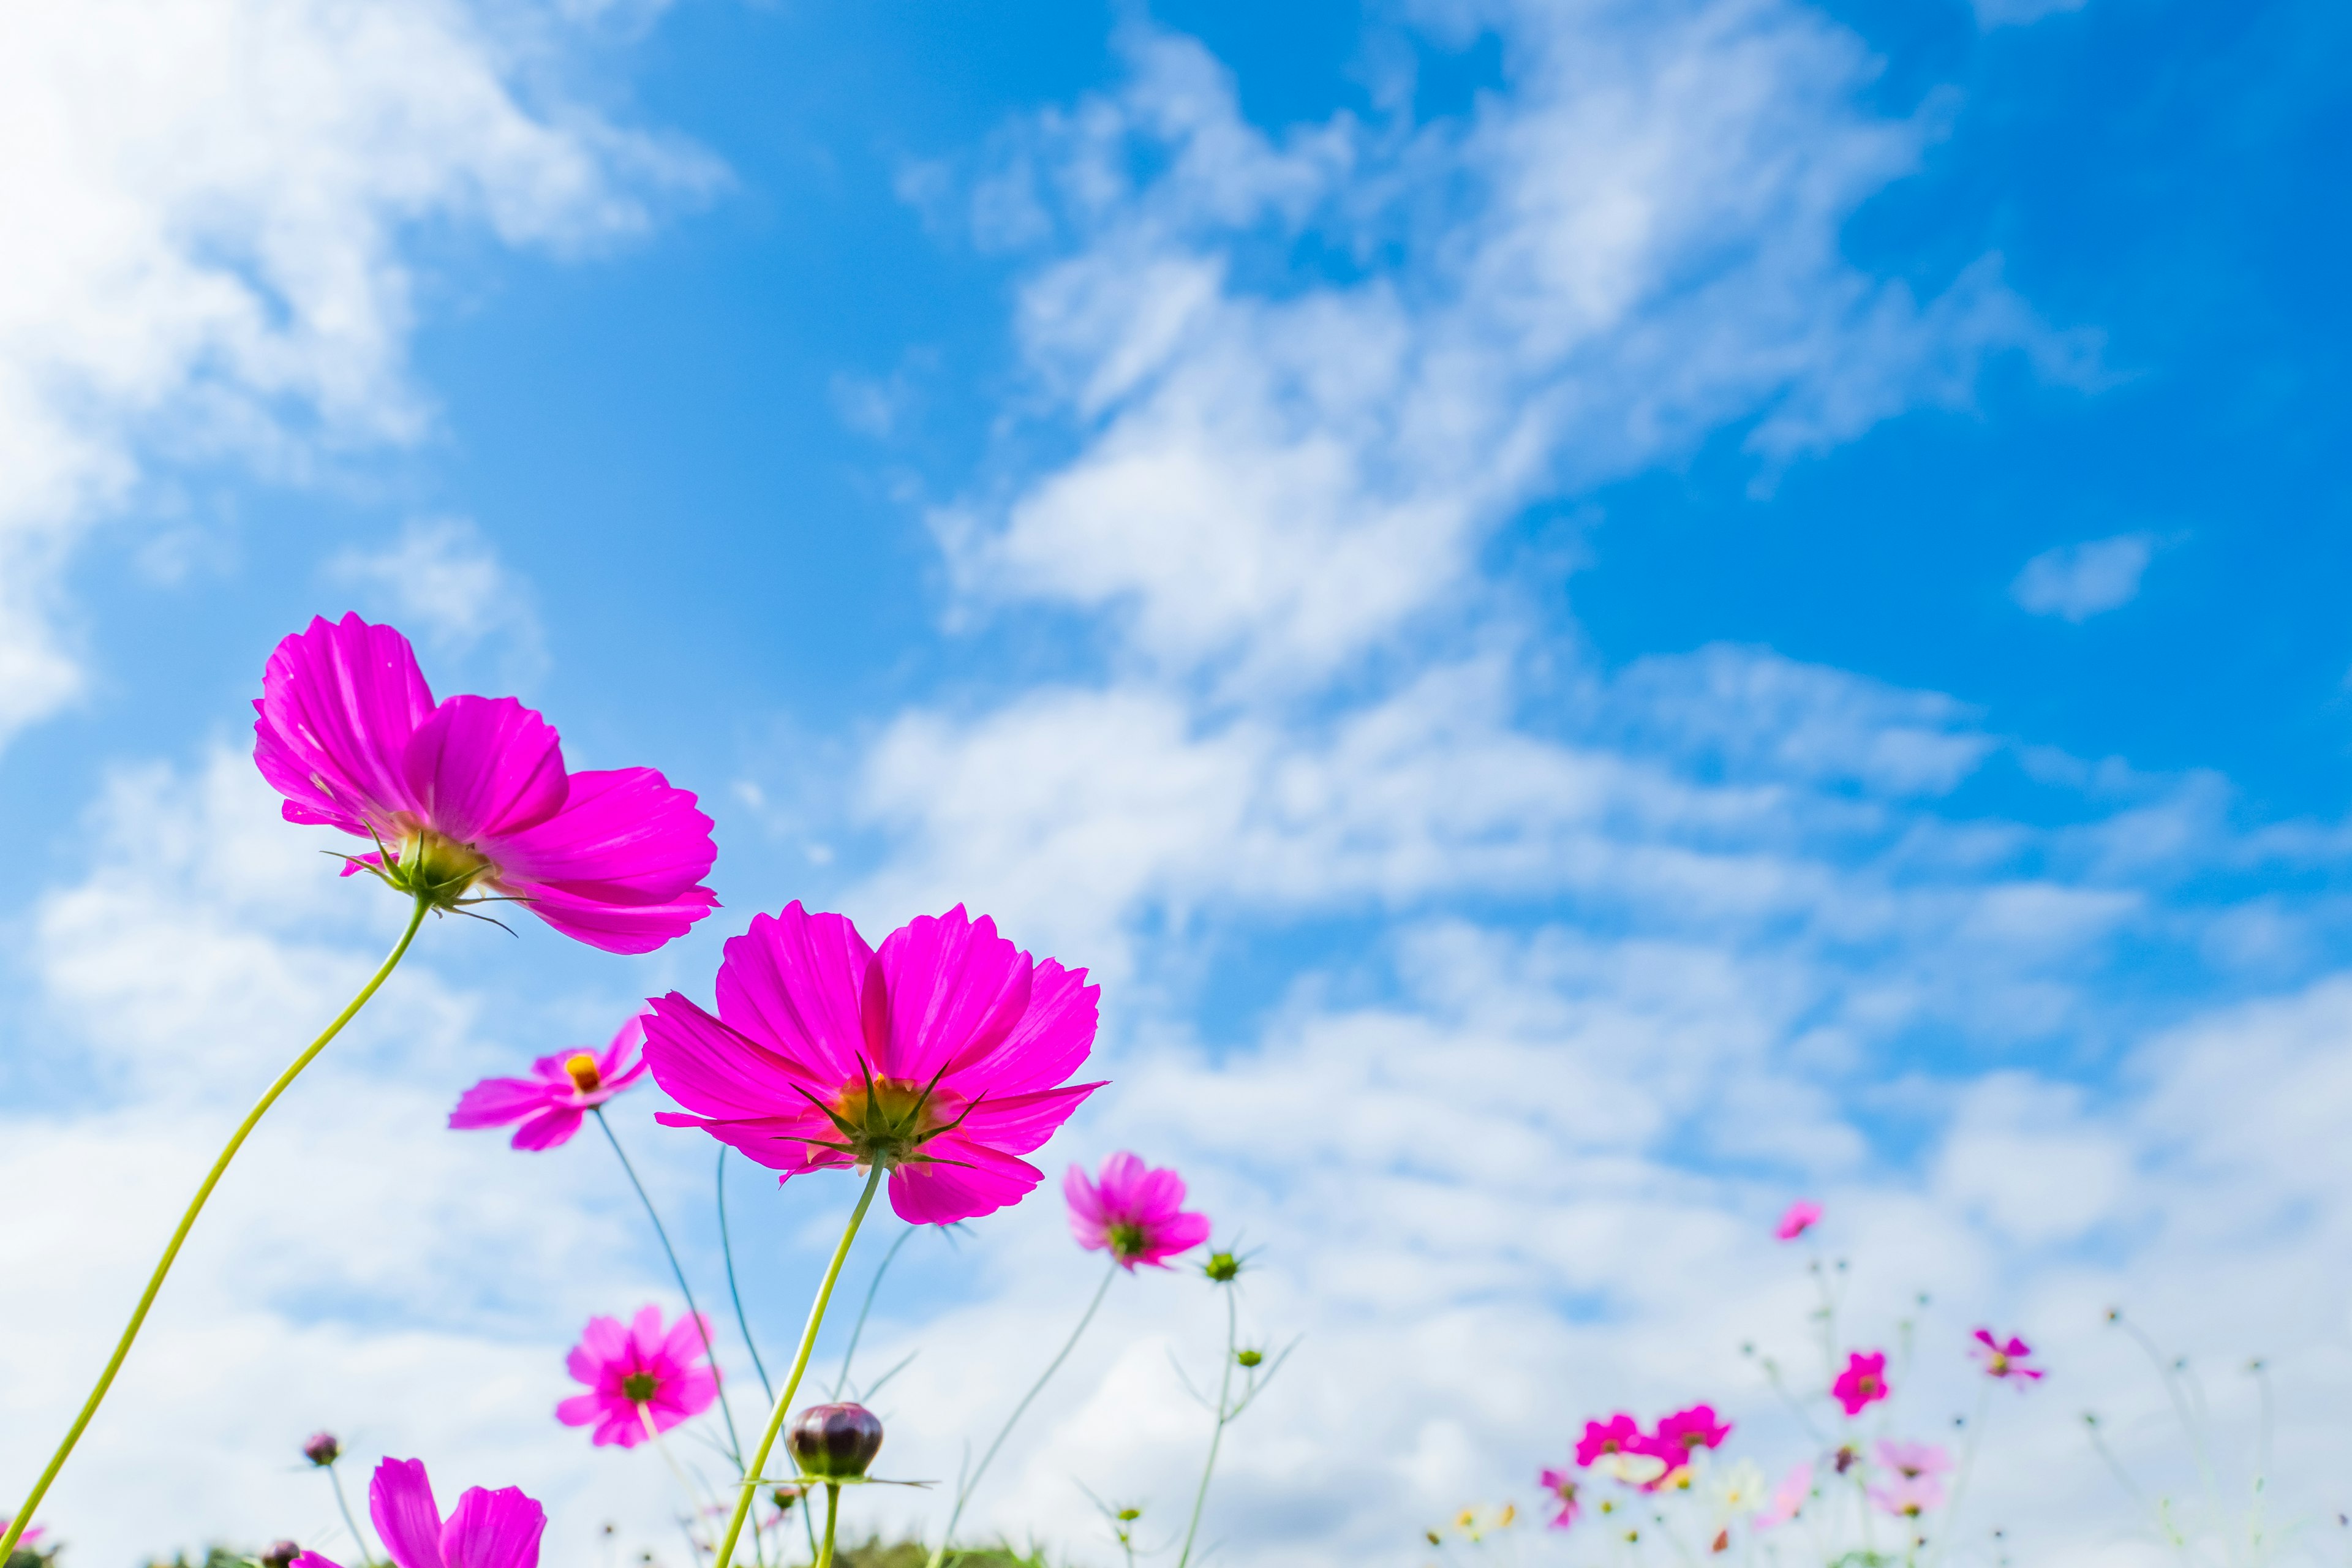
[
  {"x": 1908, "y": 1497},
  {"x": 468, "y": 799},
  {"x": 1621, "y": 1434},
  {"x": 2005, "y": 1358},
  {"x": 1789, "y": 1498},
  {"x": 490, "y": 1528},
  {"x": 561, "y": 1088},
  {"x": 944, "y": 1058},
  {"x": 1561, "y": 1488},
  {"x": 1802, "y": 1216},
  {"x": 1134, "y": 1210},
  {"x": 638, "y": 1375},
  {"x": 1863, "y": 1383}
]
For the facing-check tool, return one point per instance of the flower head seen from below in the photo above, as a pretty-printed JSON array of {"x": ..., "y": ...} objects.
[
  {"x": 1621, "y": 1434},
  {"x": 1133, "y": 1210},
  {"x": 322, "y": 1449},
  {"x": 1560, "y": 1487},
  {"x": 942, "y": 1057},
  {"x": 490, "y": 1529},
  {"x": 1800, "y": 1217},
  {"x": 1685, "y": 1433},
  {"x": 560, "y": 1090},
  {"x": 468, "y": 800},
  {"x": 1913, "y": 1460},
  {"x": 835, "y": 1442},
  {"x": 639, "y": 1377},
  {"x": 2005, "y": 1358},
  {"x": 1789, "y": 1498},
  {"x": 1863, "y": 1383}
]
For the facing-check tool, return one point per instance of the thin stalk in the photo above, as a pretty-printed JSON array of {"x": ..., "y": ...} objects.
[
  {"x": 972, "y": 1483},
  {"x": 1968, "y": 1467},
  {"x": 727, "y": 1250},
  {"x": 799, "y": 1365},
  {"x": 701, "y": 1325},
  {"x": 284, "y": 1080},
  {"x": 831, "y": 1511},
  {"x": 686, "y": 1486},
  {"x": 335, "y": 1479},
  {"x": 1224, "y": 1391},
  {"x": 857, "y": 1330}
]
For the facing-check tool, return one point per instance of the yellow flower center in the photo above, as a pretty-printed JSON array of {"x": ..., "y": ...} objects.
[{"x": 582, "y": 1070}]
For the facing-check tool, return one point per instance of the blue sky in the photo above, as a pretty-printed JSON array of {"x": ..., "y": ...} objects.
[{"x": 1758, "y": 587}]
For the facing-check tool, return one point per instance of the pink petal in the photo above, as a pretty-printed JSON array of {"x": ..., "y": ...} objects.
[
  {"x": 686, "y": 1343},
  {"x": 1086, "y": 1203},
  {"x": 720, "y": 1071},
  {"x": 484, "y": 768},
  {"x": 788, "y": 1145},
  {"x": 494, "y": 1529},
  {"x": 308, "y": 1560},
  {"x": 495, "y": 1101},
  {"x": 624, "y": 836},
  {"x": 1051, "y": 1040},
  {"x": 343, "y": 699},
  {"x": 1021, "y": 1122},
  {"x": 1182, "y": 1233},
  {"x": 956, "y": 989},
  {"x": 796, "y": 981},
  {"x": 611, "y": 927},
  {"x": 1122, "y": 1174},
  {"x": 400, "y": 1500},
  {"x": 606, "y": 1339},
  {"x": 646, "y": 1334},
  {"x": 553, "y": 1126},
  {"x": 629, "y": 1038},
  {"x": 581, "y": 1408},
  {"x": 305, "y": 801},
  {"x": 941, "y": 1194}
]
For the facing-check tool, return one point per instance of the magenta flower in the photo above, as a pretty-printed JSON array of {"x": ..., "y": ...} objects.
[
  {"x": 561, "y": 1088},
  {"x": 1789, "y": 1498},
  {"x": 1560, "y": 1487},
  {"x": 1913, "y": 1460},
  {"x": 1621, "y": 1434},
  {"x": 1135, "y": 1210},
  {"x": 639, "y": 1375},
  {"x": 1863, "y": 1383},
  {"x": 1684, "y": 1432},
  {"x": 2007, "y": 1359},
  {"x": 1908, "y": 1497},
  {"x": 468, "y": 799},
  {"x": 490, "y": 1528},
  {"x": 23, "y": 1541},
  {"x": 1802, "y": 1216},
  {"x": 943, "y": 1059}
]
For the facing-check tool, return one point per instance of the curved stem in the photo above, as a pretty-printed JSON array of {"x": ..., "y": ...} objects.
[
  {"x": 1224, "y": 1391},
  {"x": 831, "y": 1511},
  {"x": 727, "y": 1251},
  {"x": 858, "y": 1331},
  {"x": 187, "y": 1222},
  {"x": 799, "y": 1365},
  {"x": 366, "y": 1556},
  {"x": 972, "y": 1483}
]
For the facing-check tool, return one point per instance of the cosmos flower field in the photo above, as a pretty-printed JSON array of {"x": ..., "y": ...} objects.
[{"x": 939, "y": 1064}]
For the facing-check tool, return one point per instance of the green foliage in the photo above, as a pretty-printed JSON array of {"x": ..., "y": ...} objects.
[
  {"x": 216, "y": 1556},
  {"x": 876, "y": 1553}
]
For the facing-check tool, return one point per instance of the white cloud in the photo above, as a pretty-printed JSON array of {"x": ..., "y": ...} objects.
[
  {"x": 211, "y": 201},
  {"x": 442, "y": 581},
  {"x": 2079, "y": 581},
  {"x": 1991, "y": 14}
]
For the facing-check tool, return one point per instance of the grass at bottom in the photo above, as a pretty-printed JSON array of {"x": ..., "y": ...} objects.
[{"x": 879, "y": 1553}]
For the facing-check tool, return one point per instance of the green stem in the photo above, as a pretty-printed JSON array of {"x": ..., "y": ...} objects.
[
  {"x": 727, "y": 1251},
  {"x": 1225, "y": 1390},
  {"x": 832, "y": 1510},
  {"x": 24, "y": 1518},
  {"x": 963, "y": 1493},
  {"x": 857, "y": 1330},
  {"x": 366, "y": 1556},
  {"x": 800, "y": 1366},
  {"x": 701, "y": 1325}
]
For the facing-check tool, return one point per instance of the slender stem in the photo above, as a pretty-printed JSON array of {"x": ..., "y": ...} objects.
[
  {"x": 972, "y": 1482},
  {"x": 1225, "y": 1390},
  {"x": 676, "y": 1471},
  {"x": 702, "y": 1323},
  {"x": 857, "y": 1332},
  {"x": 832, "y": 1510},
  {"x": 727, "y": 1250},
  {"x": 1968, "y": 1467},
  {"x": 366, "y": 1556},
  {"x": 187, "y": 1222},
  {"x": 800, "y": 1366}
]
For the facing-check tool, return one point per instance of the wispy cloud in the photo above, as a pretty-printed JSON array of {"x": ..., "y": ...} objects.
[
  {"x": 2076, "y": 581},
  {"x": 442, "y": 581}
]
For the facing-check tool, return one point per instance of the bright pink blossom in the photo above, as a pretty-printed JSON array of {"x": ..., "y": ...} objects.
[
  {"x": 1908, "y": 1497},
  {"x": 638, "y": 1374},
  {"x": 1789, "y": 1498},
  {"x": 1134, "y": 1209},
  {"x": 1802, "y": 1216},
  {"x": 561, "y": 1088},
  {"x": 1912, "y": 1460},
  {"x": 1685, "y": 1433},
  {"x": 2005, "y": 1358},
  {"x": 1621, "y": 1434},
  {"x": 1863, "y": 1383},
  {"x": 469, "y": 797},
  {"x": 490, "y": 1528},
  {"x": 944, "y": 1057},
  {"x": 1561, "y": 1487}
]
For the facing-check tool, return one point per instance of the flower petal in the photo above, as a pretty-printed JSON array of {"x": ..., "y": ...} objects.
[
  {"x": 1020, "y": 1124},
  {"x": 720, "y": 1071},
  {"x": 549, "y": 1128},
  {"x": 611, "y": 927},
  {"x": 956, "y": 989},
  {"x": 625, "y": 836},
  {"x": 484, "y": 768},
  {"x": 981, "y": 1182},
  {"x": 494, "y": 1529},
  {"x": 495, "y": 1101},
  {"x": 1053, "y": 1038},
  {"x": 400, "y": 1501},
  {"x": 581, "y": 1408},
  {"x": 342, "y": 699},
  {"x": 795, "y": 981}
]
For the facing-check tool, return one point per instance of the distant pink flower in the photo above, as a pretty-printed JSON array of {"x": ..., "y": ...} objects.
[
  {"x": 1802, "y": 1216},
  {"x": 944, "y": 1057},
  {"x": 561, "y": 1088},
  {"x": 1685, "y": 1433},
  {"x": 1908, "y": 1497},
  {"x": 1621, "y": 1434},
  {"x": 1913, "y": 1460},
  {"x": 469, "y": 797},
  {"x": 639, "y": 1374},
  {"x": 490, "y": 1528},
  {"x": 2005, "y": 1359},
  {"x": 1863, "y": 1383},
  {"x": 23, "y": 1541},
  {"x": 1560, "y": 1487},
  {"x": 1134, "y": 1209},
  {"x": 1789, "y": 1498}
]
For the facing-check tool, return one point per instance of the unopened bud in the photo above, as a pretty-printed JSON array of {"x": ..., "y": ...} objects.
[
  {"x": 1222, "y": 1267},
  {"x": 322, "y": 1449},
  {"x": 281, "y": 1553},
  {"x": 1129, "y": 1515},
  {"x": 1249, "y": 1358},
  {"x": 835, "y": 1442}
]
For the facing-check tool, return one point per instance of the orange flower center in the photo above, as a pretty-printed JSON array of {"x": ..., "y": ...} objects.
[{"x": 582, "y": 1070}]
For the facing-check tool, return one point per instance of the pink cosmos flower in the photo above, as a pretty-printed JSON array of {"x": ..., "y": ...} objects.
[
  {"x": 1560, "y": 1487},
  {"x": 490, "y": 1528},
  {"x": 1685, "y": 1433},
  {"x": 1134, "y": 1209},
  {"x": 1908, "y": 1497},
  {"x": 1789, "y": 1498},
  {"x": 561, "y": 1088},
  {"x": 2005, "y": 1359},
  {"x": 1621, "y": 1434},
  {"x": 1802, "y": 1216},
  {"x": 1912, "y": 1460},
  {"x": 642, "y": 1373},
  {"x": 23, "y": 1541},
  {"x": 944, "y": 1058},
  {"x": 1863, "y": 1383},
  {"x": 470, "y": 798}
]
